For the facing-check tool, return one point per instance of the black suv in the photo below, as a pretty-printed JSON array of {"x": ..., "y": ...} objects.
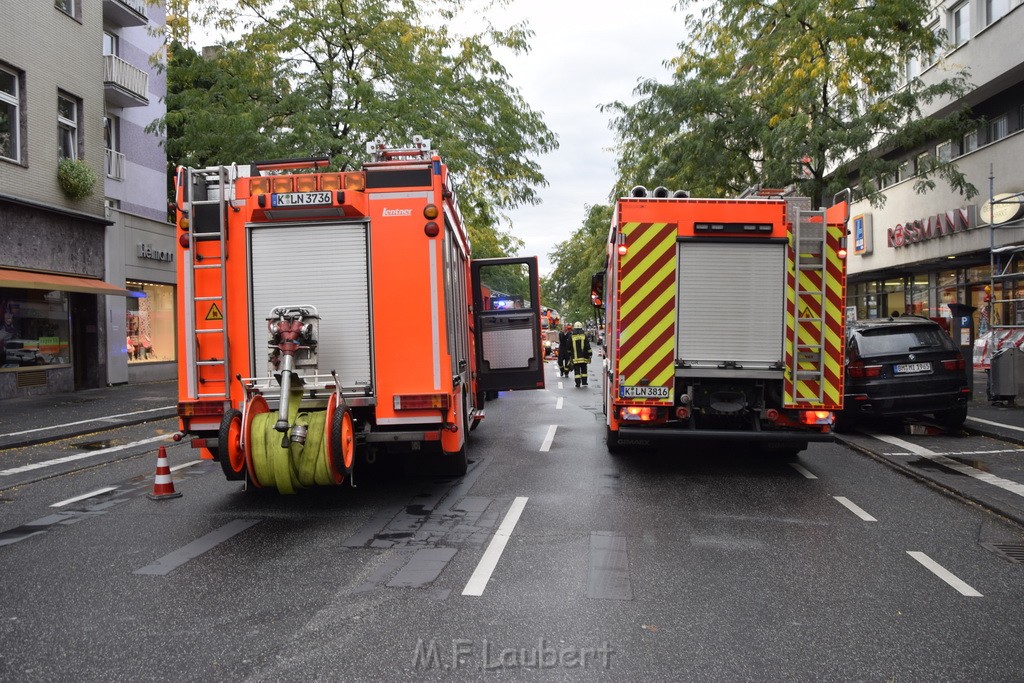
[{"x": 903, "y": 366}]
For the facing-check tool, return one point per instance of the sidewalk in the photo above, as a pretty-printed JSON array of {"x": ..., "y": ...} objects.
[{"x": 36, "y": 419}]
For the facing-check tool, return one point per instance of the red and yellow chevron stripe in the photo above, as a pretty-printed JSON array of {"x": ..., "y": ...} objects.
[{"x": 646, "y": 316}]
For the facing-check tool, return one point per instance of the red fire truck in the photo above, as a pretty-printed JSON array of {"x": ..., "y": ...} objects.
[
  {"x": 724, "y": 319},
  {"x": 323, "y": 313}
]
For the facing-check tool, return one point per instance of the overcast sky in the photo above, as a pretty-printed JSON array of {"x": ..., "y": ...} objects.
[{"x": 584, "y": 54}]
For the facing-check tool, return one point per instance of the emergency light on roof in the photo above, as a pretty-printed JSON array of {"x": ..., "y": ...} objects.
[{"x": 307, "y": 182}]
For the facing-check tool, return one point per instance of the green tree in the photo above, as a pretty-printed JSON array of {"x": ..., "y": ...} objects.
[
  {"x": 575, "y": 261},
  {"x": 226, "y": 107},
  {"x": 326, "y": 77},
  {"x": 812, "y": 93}
]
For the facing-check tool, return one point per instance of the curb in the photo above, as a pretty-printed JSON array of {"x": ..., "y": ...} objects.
[
  {"x": 1014, "y": 517},
  {"x": 50, "y": 434}
]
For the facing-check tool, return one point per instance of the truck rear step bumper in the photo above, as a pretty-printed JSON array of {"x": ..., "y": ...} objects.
[{"x": 640, "y": 436}]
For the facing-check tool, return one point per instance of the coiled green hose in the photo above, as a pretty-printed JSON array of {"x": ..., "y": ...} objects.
[{"x": 301, "y": 465}]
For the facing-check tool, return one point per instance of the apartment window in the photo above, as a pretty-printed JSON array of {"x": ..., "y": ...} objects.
[
  {"x": 944, "y": 151},
  {"x": 112, "y": 144},
  {"x": 65, "y": 6},
  {"x": 913, "y": 68},
  {"x": 998, "y": 128},
  {"x": 110, "y": 43},
  {"x": 921, "y": 163},
  {"x": 960, "y": 20},
  {"x": 927, "y": 59},
  {"x": 969, "y": 142},
  {"x": 905, "y": 170},
  {"x": 996, "y": 9},
  {"x": 10, "y": 115},
  {"x": 67, "y": 126}
]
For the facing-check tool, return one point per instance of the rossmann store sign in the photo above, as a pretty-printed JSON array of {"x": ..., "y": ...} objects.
[{"x": 932, "y": 227}]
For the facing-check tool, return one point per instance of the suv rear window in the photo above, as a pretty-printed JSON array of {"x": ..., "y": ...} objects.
[{"x": 886, "y": 341}]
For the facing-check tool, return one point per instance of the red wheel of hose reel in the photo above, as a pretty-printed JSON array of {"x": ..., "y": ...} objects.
[
  {"x": 341, "y": 442},
  {"x": 257, "y": 405},
  {"x": 229, "y": 445}
]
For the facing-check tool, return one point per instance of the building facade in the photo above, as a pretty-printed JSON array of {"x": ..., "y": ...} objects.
[
  {"x": 920, "y": 253},
  {"x": 67, "y": 278}
]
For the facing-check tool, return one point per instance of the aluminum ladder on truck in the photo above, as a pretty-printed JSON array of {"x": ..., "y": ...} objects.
[
  {"x": 808, "y": 333},
  {"x": 206, "y": 351}
]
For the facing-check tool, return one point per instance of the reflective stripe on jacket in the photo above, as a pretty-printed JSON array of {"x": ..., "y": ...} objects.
[{"x": 580, "y": 348}]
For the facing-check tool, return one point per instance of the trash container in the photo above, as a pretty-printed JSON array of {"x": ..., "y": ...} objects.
[{"x": 1006, "y": 374}]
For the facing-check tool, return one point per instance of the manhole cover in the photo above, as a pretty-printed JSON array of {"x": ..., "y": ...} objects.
[{"x": 1014, "y": 552}]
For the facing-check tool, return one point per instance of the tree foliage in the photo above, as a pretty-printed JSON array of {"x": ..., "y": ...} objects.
[
  {"x": 575, "y": 261},
  {"x": 323, "y": 78},
  {"x": 805, "y": 92}
]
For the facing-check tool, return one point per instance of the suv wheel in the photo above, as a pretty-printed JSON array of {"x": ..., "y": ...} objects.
[
  {"x": 845, "y": 423},
  {"x": 952, "y": 420}
]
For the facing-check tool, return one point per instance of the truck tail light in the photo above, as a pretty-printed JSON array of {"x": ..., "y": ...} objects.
[
  {"x": 200, "y": 408},
  {"x": 421, "y": 402},
  {"x": 329, "y": 182},
  {"x": 816, "y": 417},
  {"x": 282, "y": 184},
  {"x": 639, "y": 413}
]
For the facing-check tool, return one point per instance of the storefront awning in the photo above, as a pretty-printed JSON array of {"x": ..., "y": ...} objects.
[{"x": 23, "y": 279}]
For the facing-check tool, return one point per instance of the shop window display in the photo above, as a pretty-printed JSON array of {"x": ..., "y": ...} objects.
[
  {"x": 150, "y": 323},
  {"x": 34, "y": 329}
]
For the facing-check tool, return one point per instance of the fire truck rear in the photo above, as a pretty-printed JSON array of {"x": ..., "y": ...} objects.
[
  {"x": 724, "y": 320},
  {"x": 321, "y": 313}
]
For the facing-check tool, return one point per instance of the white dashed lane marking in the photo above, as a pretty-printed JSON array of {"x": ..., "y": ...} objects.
[
  {"x": 478, "y": 581},
  {"x": 944, "y": 574}
]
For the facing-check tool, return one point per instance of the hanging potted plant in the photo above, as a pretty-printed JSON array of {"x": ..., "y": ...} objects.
[{"x": 76, "y": 178}]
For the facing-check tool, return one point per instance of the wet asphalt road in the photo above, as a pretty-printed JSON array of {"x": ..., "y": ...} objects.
[{"x": 714, "y": 565}]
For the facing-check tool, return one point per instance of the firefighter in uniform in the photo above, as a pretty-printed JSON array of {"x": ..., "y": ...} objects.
[
  {"x": 581, "y": 353},
  {"x": 565, "y": 351}
]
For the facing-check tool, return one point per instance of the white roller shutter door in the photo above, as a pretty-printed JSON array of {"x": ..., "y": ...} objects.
[
  {"x": 322, "y": 265},
  {"x": 732, "y": 302}
]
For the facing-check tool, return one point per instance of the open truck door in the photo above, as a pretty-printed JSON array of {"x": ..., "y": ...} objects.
[{"x": 507, "y": 324}]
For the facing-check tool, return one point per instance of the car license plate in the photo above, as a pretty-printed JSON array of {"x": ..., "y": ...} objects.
[
  {"x": 911, "y": 368},
  {"x": 301, "y": 199}
]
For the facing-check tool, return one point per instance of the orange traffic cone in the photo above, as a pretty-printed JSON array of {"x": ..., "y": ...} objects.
[{"x": 163, "y": 485}]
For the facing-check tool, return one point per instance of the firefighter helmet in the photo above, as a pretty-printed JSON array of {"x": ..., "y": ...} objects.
[{"x": 577, "y": 326}]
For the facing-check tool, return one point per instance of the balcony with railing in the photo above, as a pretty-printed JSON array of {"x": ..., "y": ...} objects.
[
  {"x": 124, "y": 85},
  {"x": 125, "y": 12},
  {"x": 115, "y": 165}
]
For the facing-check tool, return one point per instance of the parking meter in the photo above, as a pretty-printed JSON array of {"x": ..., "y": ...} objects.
[{"x": 962, "y": 331}]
